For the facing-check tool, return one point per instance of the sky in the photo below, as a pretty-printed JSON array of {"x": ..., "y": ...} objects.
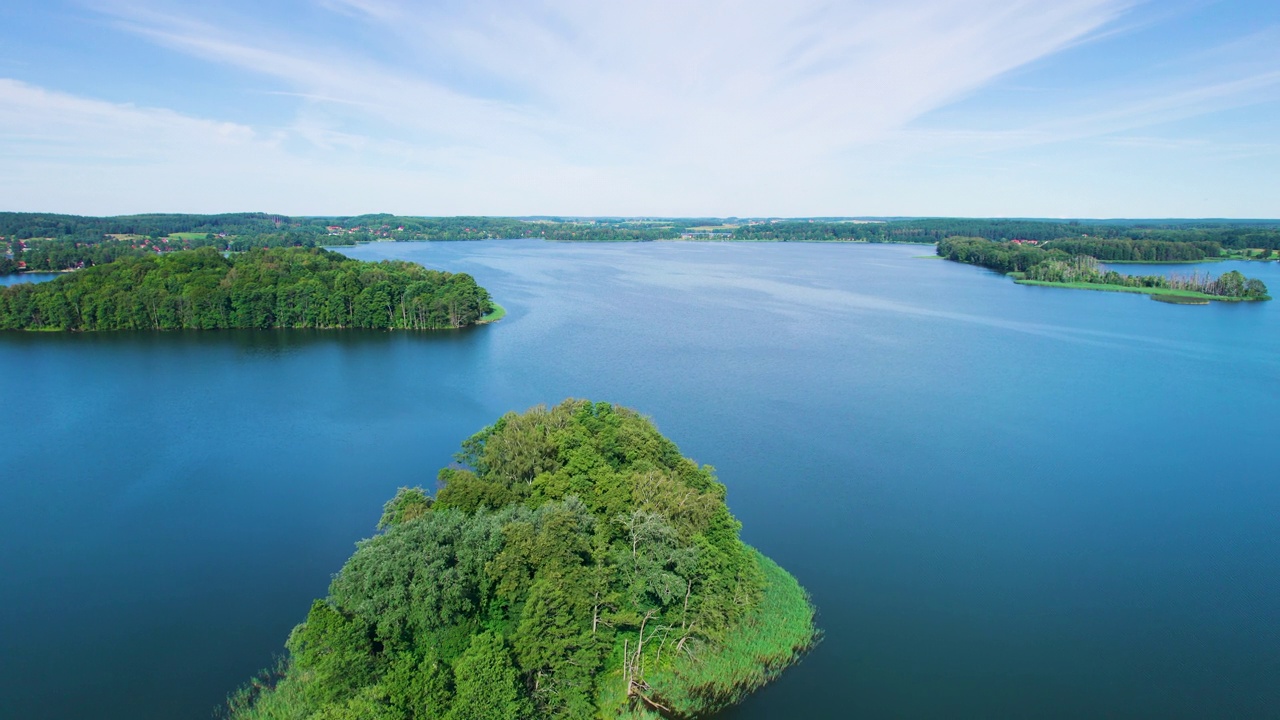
[{"x": 803, "y": 108}]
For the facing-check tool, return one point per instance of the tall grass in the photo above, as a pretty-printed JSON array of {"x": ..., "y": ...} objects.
[
  {"x": 271, "y": 695},
  {"x": 771, "y": 638}
]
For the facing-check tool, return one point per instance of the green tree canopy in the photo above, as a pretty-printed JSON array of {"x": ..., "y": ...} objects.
[
  {"x": 576, "y": 565},
  {"x": 263, "y": 288}
]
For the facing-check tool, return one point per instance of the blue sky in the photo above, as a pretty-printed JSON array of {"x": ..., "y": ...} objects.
[{"x": 1069, "y": 108}]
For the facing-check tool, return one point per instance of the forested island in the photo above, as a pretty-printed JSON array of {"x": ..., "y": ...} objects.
[
  {"x": 50, "y": 242},
  {"x": 572, "y": 565},
  {"x": 1075, "y": 264},
  {"x": 263, "y": 288}
]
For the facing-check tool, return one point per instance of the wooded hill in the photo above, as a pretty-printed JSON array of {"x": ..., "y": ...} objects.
[
  {"x": 573, "y": 565},
  {"x": 264, "y": 288}
]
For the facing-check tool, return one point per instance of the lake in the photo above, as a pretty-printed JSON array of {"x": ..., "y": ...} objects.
[
  {"x": 1007, "y": 501},
  {"x": 6, "y": 280}
]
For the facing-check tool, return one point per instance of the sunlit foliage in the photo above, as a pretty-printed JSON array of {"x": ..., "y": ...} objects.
[
  {"x": 573, "y": 565},
  {"x": 263, "y": 288},
  {"x": 1054, "y": 264}
]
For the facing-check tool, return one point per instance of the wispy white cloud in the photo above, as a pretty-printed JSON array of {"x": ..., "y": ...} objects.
[
  {"x": 1126, "y": 115},
  {"x": 661, "y": 87},
  {"x": 327, "y": 75},
  {"x": 574, "y": 106},
  {"x": 62, "y": 152},
  {"x": 41, "y": 124},
  {"x": 713, "y": 83},
  {"x": 1222, "y": 79}
]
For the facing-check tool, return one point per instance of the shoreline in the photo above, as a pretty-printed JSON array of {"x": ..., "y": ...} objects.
[
  {"x": 497, "y": 313},
  {"x": 1168, "y": 262},
  {"x": 1152, "y": 292},
  {"x": 1222, "y": 258}
]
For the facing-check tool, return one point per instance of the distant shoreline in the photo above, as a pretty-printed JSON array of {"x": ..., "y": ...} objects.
[
  {"x": 1221, "y": 258},
  {"x": 1162, "y": 292},
  {"x": 1171, "y": 262},
  {"x": 744, "y": 241}
]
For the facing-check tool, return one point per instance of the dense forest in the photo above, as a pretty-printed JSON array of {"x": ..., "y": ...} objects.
[
  {"x": 1056, "y": 263},
  {"x": 43, "y": 242},
  {"x": 47, "y": 242},
  {"x": 51, "y": 243},
  {"x": 1085, "y": 269},
  {"x": 264, "y": 288},
  {"x": 1128, "y": 250},
  {"x": 572, "y": 565},
  {"x": 1137, "y": 238}
]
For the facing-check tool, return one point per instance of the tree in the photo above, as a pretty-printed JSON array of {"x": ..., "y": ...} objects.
[
  {"x": 335, "y": 650},
  {"x": 577, "y": 558},
  {"x": 408, "y": 504},
  {"x": 1231, "y": 284},
  {"x": 488, "y": 687},
  {"x": 419, "y": 689},
  {"x": 263, "y": 288},
  {"x": 555, "y": 645}
]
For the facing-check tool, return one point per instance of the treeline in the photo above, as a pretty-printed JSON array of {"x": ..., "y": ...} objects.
[
  {"x": 927, "y": 230},
  {"x": 576, "y": 565},
  {"x": 52, "y": 243},
  {"x": 815, "y": 231},
  {"x": 46, "y": 242},
  {"x": 263, "y": 288},
  {"x": 57, "y": 242},
  {"x": 23, "y": 226},
  {"x": 1228, "y": 234},
  {"x": 1003, "y": 257},
  {"x": 1143, "y": 240},
  {"x": 1235, "y": 235},
  {"x": 1053, "y": 263},
  {"x": 555, "y": 229},
  {"x": 1085, "y": 269},
  {"x": 1127, "y": 250},
  {"x": 76, "y": 252}
]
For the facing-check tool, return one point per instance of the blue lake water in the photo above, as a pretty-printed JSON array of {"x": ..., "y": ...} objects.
[
  {"x": 6, "y": 280},
  {"x": 1006, "y": 501}
]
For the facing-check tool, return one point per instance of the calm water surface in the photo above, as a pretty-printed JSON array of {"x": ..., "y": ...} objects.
[
  {"x": 33, "y": 277},
  {"x": 1007, "y": 501}
]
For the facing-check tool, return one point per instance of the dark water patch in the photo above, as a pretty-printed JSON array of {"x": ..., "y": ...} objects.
[{"x": 1179, "y": 300}]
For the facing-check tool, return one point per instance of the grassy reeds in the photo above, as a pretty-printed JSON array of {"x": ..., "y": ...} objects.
[{"x": 771, "y": 638}]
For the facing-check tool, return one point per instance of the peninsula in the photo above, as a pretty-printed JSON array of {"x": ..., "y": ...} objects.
[
  {"x": 264, "y": 288},
  {"x": 572, "y": 565},
  {"x": 1065, "y": 264}
]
